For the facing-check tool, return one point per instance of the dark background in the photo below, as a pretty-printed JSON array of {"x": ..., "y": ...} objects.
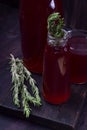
[
  {"x": 14, "y": 3},
  {"x": 75, "y": 12}
]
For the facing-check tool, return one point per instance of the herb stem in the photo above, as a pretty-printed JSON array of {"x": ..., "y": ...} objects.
[{"x": 20, "y": 74}]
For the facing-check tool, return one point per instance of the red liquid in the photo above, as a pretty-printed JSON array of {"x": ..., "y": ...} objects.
[
  {"x": 33, "y": 26},
  {"x": 56, "y": 78},
  {"x": 78, "y": 59}
]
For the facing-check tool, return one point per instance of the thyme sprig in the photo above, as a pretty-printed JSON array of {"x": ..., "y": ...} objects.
[
  {"x": 20, "y": 74},
  {"x": 55, "y": 25}
]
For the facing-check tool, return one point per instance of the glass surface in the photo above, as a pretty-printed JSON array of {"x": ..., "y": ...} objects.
[
  {"x": 78, "y": 56},
  {"x": 33, "y": 27},
  {"x": 56, "y": 78}
]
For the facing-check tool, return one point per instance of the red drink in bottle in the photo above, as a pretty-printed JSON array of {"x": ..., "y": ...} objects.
[
  {"x": 56, "y": 74},
  {"x": 33, "y": 27}
]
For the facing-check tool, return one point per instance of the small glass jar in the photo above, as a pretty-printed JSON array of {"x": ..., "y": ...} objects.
[
  {"x": 78, "y": 56},
  {"x": 56, "y": 74}
]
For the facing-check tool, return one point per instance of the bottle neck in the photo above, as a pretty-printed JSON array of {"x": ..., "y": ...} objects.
[{"x": 54, "y": 41}]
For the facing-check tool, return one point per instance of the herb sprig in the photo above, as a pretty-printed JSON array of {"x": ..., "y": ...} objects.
[
  {"x": 20, "y": 74},
  {"x": 55, "y": 25}
]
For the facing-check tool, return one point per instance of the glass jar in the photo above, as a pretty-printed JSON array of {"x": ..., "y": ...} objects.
[
  {"x": 78, "y": 56},
  {"x": 33, "y": 28},
  {"x": 56, "y": 73}
]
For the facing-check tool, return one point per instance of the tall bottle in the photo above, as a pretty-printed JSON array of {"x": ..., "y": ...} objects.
[{"x": 33, "y": 28}]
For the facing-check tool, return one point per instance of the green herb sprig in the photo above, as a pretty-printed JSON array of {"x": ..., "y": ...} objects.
[
  {"x": 20, "y": 74},
  {"x": 55, "y": 25}
]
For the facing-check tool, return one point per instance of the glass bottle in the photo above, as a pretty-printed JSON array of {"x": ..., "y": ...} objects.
[
  {"x": 56, "y": 73},
  {"x": 33, "y": 28},
  {"x": 78, "y": 56}
]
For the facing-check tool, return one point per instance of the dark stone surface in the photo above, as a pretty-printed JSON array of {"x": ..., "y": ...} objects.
[{"x": 13, "y": 118}]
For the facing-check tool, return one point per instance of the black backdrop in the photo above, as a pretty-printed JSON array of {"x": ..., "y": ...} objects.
[
  {"x": 75, "y": 12},
  {"x": 14, "y": 3}
]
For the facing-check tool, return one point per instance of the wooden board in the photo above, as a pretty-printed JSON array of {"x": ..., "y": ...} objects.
[{"x": 62, "y": 117}]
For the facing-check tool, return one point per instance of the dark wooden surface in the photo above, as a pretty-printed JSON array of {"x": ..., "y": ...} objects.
[
  {"x": 10, "y": 43},
  {"x": 64, "y": 116}
]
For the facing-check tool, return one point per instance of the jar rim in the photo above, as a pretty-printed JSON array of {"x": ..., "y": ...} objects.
[{"x": 78, "y": 32}]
